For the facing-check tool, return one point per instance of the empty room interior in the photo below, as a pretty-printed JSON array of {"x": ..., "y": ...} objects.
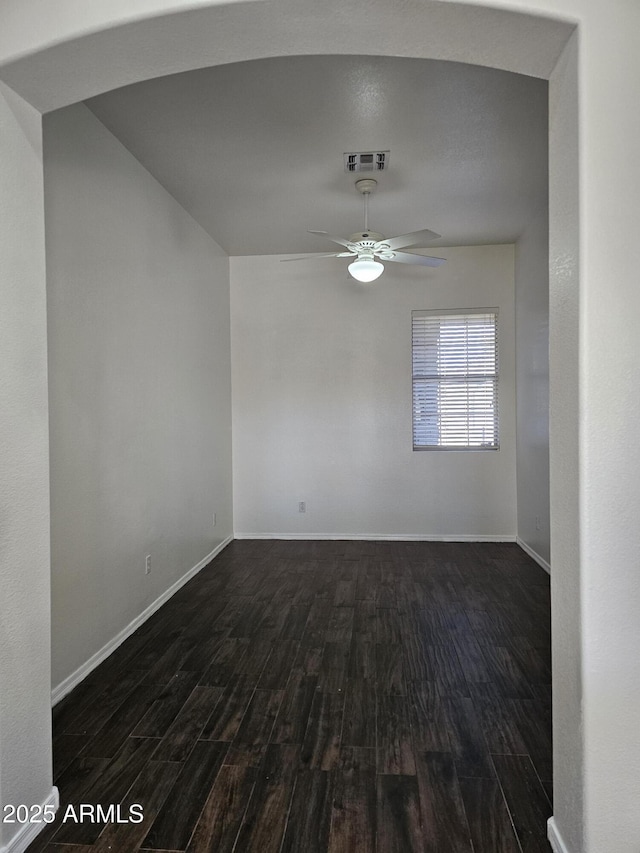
[
  {"x": 361, "y": 657},
  {"x": 319, "y": 370}
]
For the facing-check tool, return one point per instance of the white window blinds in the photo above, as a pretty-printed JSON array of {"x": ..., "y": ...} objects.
[{"x": 455, "y": 380}]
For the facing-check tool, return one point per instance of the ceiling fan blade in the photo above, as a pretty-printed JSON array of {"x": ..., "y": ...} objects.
[
  {"x": 311, "y": 257},
  {"x": 338, "y": 240},
  {"x": 424, "y": 236},
  {"x": 410, "y": 258}
]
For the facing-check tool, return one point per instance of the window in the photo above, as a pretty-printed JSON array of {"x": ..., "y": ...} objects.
[{"x": 455, "y": 380}]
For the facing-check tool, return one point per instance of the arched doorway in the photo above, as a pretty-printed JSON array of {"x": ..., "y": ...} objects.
[{"x": 77, "y": 64}]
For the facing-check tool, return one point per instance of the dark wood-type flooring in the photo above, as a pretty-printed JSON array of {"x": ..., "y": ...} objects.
[{"x": 302, "y": 697}]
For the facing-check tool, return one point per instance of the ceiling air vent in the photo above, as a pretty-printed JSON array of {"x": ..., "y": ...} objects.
[{"x": 366, "y": 161}]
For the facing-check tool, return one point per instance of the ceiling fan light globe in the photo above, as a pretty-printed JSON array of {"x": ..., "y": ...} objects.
[{"x": 366, "y": 270}]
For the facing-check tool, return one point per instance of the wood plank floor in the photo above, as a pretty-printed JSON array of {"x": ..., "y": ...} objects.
[{"x": 303, "y": 697}]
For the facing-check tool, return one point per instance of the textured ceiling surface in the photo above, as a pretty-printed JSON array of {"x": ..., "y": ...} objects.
[{"x": 254, "y": 150}]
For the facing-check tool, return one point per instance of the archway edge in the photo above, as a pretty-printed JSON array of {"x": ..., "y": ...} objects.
[{"x": 116, "y": 43}]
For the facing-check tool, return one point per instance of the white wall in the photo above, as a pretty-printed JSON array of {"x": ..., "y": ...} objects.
[
  {"x": 25, "y": 729},
  {"x": 566, "y": 581},
  {"x": 532, "y": 382},
  {"x": 609, "y": 454},
  {"x": 138, "y": 311},
  {"x": 322, "y": 401}
]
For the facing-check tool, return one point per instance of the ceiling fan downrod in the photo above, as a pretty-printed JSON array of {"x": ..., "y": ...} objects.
[{"x": 366, "y": 186}]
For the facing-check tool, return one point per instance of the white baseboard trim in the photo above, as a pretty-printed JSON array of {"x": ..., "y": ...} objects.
[
  {"x": 29, "y": 831},
  {"x": 534, "y": 555},
  {"x": 555, "y": 839},
  {"x": 95, "y": 660},
  {"x": 384, "y": 537}
]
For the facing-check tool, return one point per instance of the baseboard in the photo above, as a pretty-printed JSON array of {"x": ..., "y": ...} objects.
[
  {"x": 555, "y": 839},
  {"x": 384, "y": 537},
  {"x": 29, "y": 831},
  {"x": 534, "y": 555},
  {"x": 95, "y": 660}
]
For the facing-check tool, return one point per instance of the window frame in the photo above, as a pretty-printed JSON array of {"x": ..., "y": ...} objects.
[{"x": 494, "y": 377}]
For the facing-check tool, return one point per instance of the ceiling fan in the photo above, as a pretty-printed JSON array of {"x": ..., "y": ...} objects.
[{"x": 367, "y": 246}]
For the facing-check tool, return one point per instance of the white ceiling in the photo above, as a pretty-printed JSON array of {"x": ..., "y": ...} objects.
[{"x": 254, "y": 150}]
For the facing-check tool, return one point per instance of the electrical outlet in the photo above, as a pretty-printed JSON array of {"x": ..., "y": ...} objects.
[
  {"x": 214, "y": 519},
  {"x": 147, "y": 564},
  {"x": 537, "y": 522},
  {"x": 302, "y": 506}
]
